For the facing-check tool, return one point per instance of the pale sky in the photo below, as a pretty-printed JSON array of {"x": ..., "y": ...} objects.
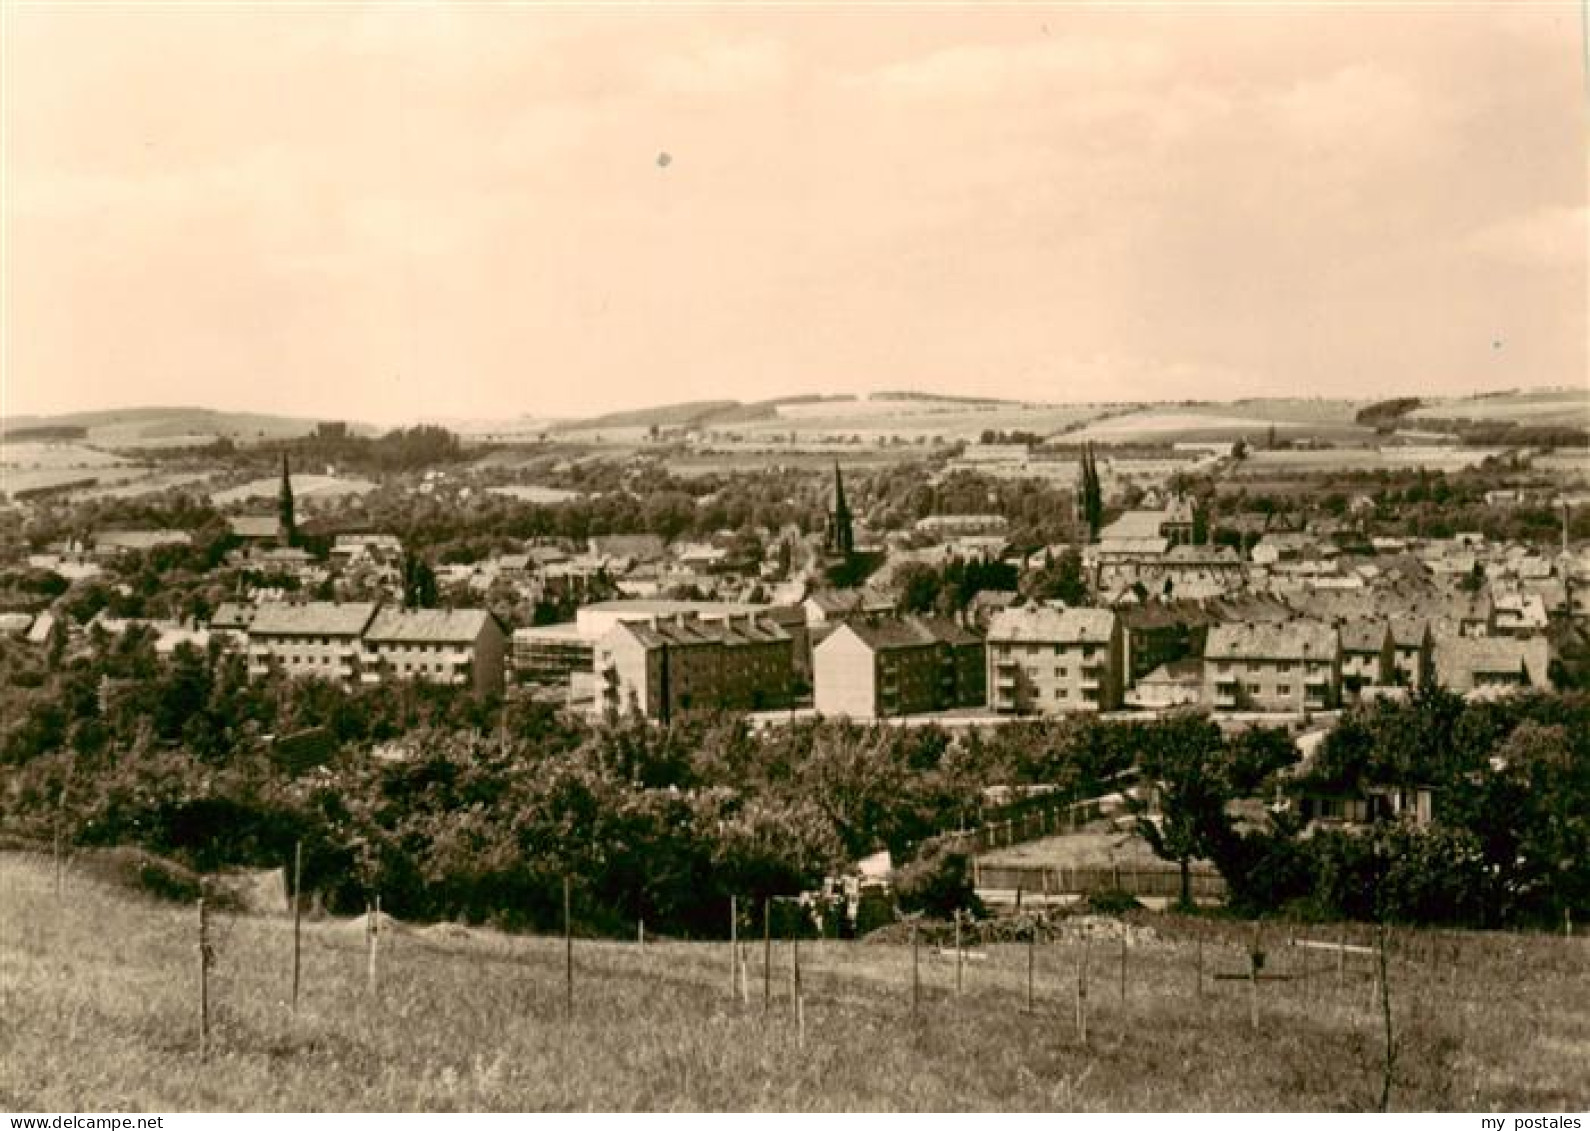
[{"x": 382, "y": 213}]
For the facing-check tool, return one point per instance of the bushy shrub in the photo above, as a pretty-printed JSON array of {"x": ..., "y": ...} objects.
[{"x": 938, "y": 883}]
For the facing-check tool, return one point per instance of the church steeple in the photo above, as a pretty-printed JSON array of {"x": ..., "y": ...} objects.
[
  {"x": 841, "y": 535},
  {"x": 286, "y": 524}
]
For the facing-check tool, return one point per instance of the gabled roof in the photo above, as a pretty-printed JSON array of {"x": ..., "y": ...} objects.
[
  {"x": 1296, "y": 640},
  {"x": 691, "y": 632},
  {"x": 141, "y": 539},
  {"x": 1122, "y": 544},
  {"x": 233, "y": 615},
  {"x": 832, "y": 601},
  {"x": 642, "y": 547},
  {"x": 1046, "y": 625},
  {"x": 427, "y": 626},
  {"x": 1363, "y": 636},
  {"x": 892, "y": 633},
  {"x": 315, "y": 618},
  {"x": 1409, "y": 632},
  {"x": 1135, "y": 524},
  {"x": 255, "y": 525},
  {"x": 1177, "y": 672}
]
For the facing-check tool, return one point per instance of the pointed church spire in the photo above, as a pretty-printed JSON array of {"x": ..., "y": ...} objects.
[{"x": 841, "y": 536}]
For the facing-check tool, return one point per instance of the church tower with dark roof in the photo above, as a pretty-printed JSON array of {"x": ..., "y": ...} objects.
[{"x": 841, "y": 540}]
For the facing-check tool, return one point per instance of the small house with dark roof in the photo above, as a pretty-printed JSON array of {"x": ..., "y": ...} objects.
[{"x": 1483, "y": 666}]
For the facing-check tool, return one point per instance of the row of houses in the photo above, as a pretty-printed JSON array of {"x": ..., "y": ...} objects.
[
  {"x": 1038, "y": 660},
  {"x": 366, "y": 643}
]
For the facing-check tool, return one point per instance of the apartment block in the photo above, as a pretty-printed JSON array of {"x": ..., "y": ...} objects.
[
  {"x": 1292, "y": 667},
  {"x": 884, "y": 667},
  {"x": 1049, "y": 661}
]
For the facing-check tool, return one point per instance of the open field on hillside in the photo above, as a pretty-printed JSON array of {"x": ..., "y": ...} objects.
[
  {"x": 871, "y": 420},
  {"x": 100, "y": 997},
  {"x": 176, "y": 426},
  {"x": 1565, "y": 406},
  {"x": 305, "y": 487},
  {"x": 1201, "y": 423},
  {"x": 30, "y": 466},
  {"x": 729, "y": 463},
  {"x": 1444, "y": 459}
]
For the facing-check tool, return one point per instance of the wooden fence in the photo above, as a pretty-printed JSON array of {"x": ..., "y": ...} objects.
[
  {"x": 1153, "y": 880},
  {"x": 1057, "y": 817}
]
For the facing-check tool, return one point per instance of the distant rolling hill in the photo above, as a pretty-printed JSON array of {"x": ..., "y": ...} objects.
[{"x": 161, "y": 426}]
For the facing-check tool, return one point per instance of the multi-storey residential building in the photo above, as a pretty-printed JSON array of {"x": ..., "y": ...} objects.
[
  {"x": 360, "y": 642},
  {"x": 1286, "y": 667},
  {"x": 1050, "y": 661},
  {"x": 320, "y": 639},
  {"x": 674, "y": 664},
  {"x": 872, "y": 668},
  {"x": 1368, "y": 655},
  {"x": 457, "y": 647}
]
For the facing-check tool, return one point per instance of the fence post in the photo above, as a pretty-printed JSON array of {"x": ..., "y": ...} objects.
[
  {"x": 568, "y": 952},
  {"x": 767, "y": 956},
  {"x": 1123, "y": 961},
  {"x": 372, "y": 938},
  {"x": 958, "y": 960},
  {"x": 1253, "y": 980},
  {"x": 800, "y": 1000},
  {"x": 60, "y": 807},
  {"x": 640, "y": 931},
  {"x": 1082, "y": 992},
  {"x": 298, "y": 907},
  {"x": 916, "y": 972},
  {"x": 1032, "y": 945},
  {"x": 734, "y": 947},
  {"x": 204, "y": 980}
]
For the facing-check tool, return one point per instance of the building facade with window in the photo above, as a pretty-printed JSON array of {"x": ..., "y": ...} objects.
[
  {"x": 1050, "y": 661},
  {"x": 1291, "y": 667},
  {"x": 318, "y": 639},
  {"x": 669, "y": 665},
  {"x": 884, "y": 667},
  {"x": 456, "y": 647}
]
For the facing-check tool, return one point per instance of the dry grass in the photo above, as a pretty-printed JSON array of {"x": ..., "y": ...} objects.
[{"x": 99, "y": 993}]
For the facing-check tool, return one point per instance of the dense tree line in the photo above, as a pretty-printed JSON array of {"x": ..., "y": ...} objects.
[
  {"x": 1509, "y": 843},
  {"x": 451, "y": 805}
]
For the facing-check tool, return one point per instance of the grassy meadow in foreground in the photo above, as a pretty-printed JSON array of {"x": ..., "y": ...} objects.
[{"x": 99, "y": 991}]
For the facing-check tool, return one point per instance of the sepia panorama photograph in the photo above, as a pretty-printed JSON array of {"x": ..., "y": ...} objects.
[{"x": 799, "y": 556}]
